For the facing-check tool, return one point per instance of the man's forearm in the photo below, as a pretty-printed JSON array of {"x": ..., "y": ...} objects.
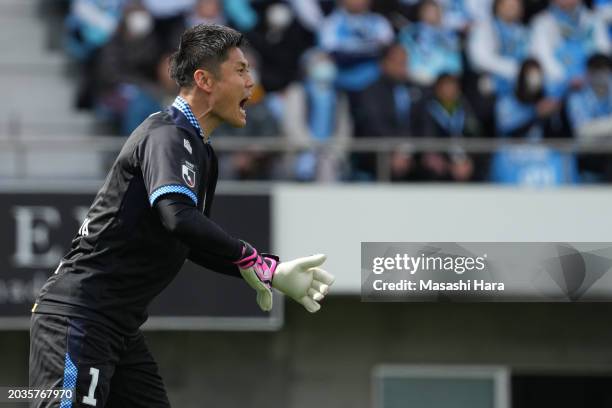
[
  {"x": 187, "y": 223},
  {"x": 214, "y": 263}
]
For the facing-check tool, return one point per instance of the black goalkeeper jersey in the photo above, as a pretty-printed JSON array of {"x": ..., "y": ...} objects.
[{"x": 122, "y": 256}]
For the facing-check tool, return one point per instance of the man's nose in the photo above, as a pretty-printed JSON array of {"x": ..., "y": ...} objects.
[{"x": 249, "y": 81}]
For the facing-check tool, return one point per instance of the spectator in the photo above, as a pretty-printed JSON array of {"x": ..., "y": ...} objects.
[
  {"x": 447, "y": 114},
  {"x": 590, "y": 114},
  {"x": 206, "y": 12},
  {"x": 479, "y": 10},
  {"x": 590, "y": 108},
  {"x": 456, "y": 15},
  {"x": 169, "y": 18},
  {"x": 386, "y": 106},
  {"x": 167, "y": 87},
  {"x": 241, "y": 14},
  {"x": 528, "y": 113},
  {"x": 127, "y": 79},
  {"x": 433, "y": 48},
  {"x": 314, "y": 111},
  {"x": 386, "y": 109},
  {"x": 161, "y": 9},
  {"x": 604, "y": 9},
  {"x": 398, "y": 12},
  {"x": 534, "y": 7},
  {"x": 525, "y": 111},
  {"x": 498, "y": 46},
  {"x": 564, "y": 36},
  {"x": 280, "y": 40},
  {"x": 308, "y": 12},
  {"x": 90, "y": 24},
  {"x": 355, "y": 37}
]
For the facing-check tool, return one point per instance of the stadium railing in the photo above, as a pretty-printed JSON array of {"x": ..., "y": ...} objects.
[{"x": 22, "y": 145}]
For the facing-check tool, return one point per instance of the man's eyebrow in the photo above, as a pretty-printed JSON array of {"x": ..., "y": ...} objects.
[{"x": 243, "y": 64}]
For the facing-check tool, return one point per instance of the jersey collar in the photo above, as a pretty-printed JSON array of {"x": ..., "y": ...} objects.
[{"x": 181, "y": 104}]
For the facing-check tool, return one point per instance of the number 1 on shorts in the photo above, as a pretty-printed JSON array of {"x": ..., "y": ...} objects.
[{"x": 89, "y": 398}]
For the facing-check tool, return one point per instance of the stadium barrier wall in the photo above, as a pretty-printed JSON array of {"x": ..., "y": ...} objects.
[{"x": 38, "y": 224}]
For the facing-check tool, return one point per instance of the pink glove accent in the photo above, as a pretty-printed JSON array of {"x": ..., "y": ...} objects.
[{"x": 264, "y": 265}]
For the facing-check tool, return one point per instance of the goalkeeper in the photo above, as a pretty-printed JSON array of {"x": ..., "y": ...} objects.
[{"x": 150, "y": 215}]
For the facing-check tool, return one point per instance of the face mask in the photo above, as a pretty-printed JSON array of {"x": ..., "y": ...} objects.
[
  {"x": 323, "y": 71},
  {"x": 139, "y": 23},
  {"x": 279, "y": 16},
  {"x": 534, "y": 81}
]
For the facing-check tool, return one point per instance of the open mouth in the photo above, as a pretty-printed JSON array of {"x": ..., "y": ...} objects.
[{"x": 242, "y": 104}]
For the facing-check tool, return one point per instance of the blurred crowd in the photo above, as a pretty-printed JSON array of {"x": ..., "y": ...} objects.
[{"x": 328, "y": 71}]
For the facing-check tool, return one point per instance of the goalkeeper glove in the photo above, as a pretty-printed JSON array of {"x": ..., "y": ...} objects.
[
  {"x": 258, "y": 271},
  {"x": 301, "y": 279}
]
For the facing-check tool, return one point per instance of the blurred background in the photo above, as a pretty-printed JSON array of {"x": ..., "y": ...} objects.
[{"x": 372, "y": 120}]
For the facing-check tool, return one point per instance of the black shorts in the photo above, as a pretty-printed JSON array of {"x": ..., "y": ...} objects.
[{"x": 104, "y": 367}]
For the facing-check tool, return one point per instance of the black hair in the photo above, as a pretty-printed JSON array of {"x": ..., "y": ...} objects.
[
  {"x": 443, "y": 76},
  {"x": 202, "y": 46},
  {"x": 494, "y": 7},
  {"x": 423, "y": 3},
  {"x": 598, "y": 61},
  {"x": 521, "y": 91}
]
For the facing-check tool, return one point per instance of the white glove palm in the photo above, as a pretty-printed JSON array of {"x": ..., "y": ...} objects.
[{"x": 302, "y": 280}]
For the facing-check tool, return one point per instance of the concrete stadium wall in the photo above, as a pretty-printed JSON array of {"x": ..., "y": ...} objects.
[{"x": 326, "y": 360}]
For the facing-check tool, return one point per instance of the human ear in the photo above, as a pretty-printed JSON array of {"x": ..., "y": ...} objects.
[{"x": 204, "y": 79}]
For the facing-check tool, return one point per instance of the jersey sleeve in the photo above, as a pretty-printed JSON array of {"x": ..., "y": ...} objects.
[
  {"x": 214, "y": 263},
  {"x": 196, "y": 230},
  {"x": 168, "y": 165}
]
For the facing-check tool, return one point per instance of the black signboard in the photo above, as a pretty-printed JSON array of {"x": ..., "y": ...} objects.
[{"x": 36, "y": 230}]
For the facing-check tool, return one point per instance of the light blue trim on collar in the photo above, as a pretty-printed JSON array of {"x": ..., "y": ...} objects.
[{"x": 181, "y": 104}]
